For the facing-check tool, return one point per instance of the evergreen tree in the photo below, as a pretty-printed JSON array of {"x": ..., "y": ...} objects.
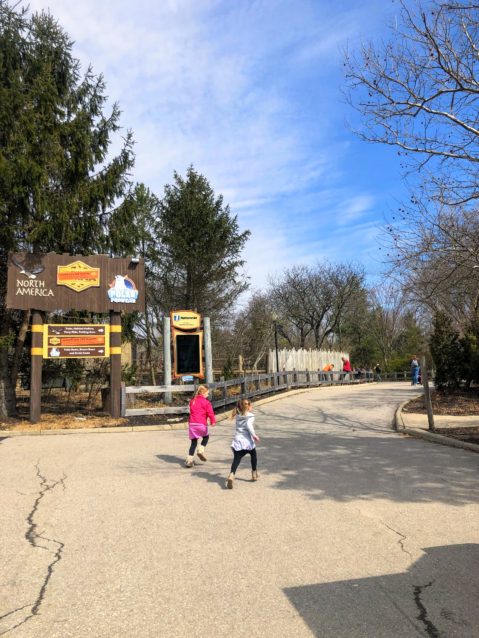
[
  {"x": 200, "y": 247},
  {"x": 470, "y": 347},
  {"x": 447, "y": 353},
  {"x": 57, "y": 184},
  {"x": 134, "y": 228}
]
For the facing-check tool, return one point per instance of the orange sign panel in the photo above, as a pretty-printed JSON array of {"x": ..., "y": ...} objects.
[{"x": 78, "y": 276}]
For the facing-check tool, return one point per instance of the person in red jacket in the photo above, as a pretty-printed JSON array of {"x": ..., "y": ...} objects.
[
  {"x": 201, "y": 413},
  {"x": 346, "y": 367}
]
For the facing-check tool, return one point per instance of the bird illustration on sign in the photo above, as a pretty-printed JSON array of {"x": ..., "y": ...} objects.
[{"x": 30, "y": 271}]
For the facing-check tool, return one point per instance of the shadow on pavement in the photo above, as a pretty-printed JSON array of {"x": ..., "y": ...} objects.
[
  {"x": 436, "y": 597},
  {"x": 355, "y": 465},
  {"x": 219, "y": 479},
  {"x": 169, "y": 458}
]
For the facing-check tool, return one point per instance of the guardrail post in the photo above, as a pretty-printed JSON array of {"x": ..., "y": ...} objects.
[
  {"x": 167, "y": 357},
  {"x": 427, "y": 395}
]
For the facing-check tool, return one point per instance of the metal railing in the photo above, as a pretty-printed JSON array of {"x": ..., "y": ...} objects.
[{"x": 225, "y": 393}]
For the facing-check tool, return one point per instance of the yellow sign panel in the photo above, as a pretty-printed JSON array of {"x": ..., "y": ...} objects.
[
  {"x": 78, "y": 276},
  {"x": 185, "y": 320}
]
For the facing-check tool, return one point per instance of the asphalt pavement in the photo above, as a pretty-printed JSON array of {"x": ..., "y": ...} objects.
[{"x": 352, "y": 530}]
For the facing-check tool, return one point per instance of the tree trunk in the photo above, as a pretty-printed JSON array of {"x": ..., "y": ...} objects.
[
  {"x": 8, "y": 403},
  {"x": 19, "y": 346}
]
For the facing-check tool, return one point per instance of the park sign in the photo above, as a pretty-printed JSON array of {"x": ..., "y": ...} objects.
[
  {"x": 187, "y": 339},
  {"x": 96, "y": 283},
  {"x": 185, "y": 320},
  {"x": 68, "y": 341}
]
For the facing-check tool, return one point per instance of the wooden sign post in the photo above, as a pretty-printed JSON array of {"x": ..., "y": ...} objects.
[
  {"x": 96, "y": 283},
  {"x": 36, "y": 367},
  {"x": 115, "y": 363}
]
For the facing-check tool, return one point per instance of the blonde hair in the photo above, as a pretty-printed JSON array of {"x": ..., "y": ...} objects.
[
  {"x": 241, "y": 407},
  {"x": 201, "y": 390}
]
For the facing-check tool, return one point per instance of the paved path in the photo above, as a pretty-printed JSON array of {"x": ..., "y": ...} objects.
[{"x": 352, "y": 530}]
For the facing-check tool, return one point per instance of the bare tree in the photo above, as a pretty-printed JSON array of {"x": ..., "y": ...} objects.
[
  {"x": 386, "y": 318},
  {"x": 434, "y": 252},
  {"x": 419, "y": 92},
  {"x": 290, "y": 297},
  {"x": 252, "y": 334},
  {"x": 314, "y": 300}
]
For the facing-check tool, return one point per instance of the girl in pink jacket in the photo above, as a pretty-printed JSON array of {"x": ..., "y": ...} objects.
[{"x": 201, "y": 411}]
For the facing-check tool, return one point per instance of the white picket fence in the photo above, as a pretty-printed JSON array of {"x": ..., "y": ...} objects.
[{"x": 305, "y": 359}]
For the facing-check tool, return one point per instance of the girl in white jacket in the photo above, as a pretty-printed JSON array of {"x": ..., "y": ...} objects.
[{"x": 244, "y": 440}]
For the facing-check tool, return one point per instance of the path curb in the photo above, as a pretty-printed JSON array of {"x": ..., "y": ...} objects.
[{"x": 419, "y": 433}]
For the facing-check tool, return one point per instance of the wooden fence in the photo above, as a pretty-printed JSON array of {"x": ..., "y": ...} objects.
[
  {"x": 302, "y": 359},
  {"x": 137, "y": 400}
]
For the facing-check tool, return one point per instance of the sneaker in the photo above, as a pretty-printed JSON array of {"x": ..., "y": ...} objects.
[{"x": 229, "y": 482}]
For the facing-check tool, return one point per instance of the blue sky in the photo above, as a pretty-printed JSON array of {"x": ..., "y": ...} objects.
[{"x": 249, "y": 92}]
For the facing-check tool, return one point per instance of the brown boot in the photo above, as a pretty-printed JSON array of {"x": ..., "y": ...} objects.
[
  {"x": 254, "y": 475},
  {"x": 201, "y": 453},
  {"x": 189, "y": 461},
  {"x": 230, "y": 481}
]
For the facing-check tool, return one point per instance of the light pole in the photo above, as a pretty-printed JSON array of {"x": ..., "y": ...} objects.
[{"x": 276, "y": 343}]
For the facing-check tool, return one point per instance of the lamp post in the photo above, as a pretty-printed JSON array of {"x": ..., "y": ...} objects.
[{"x": 276, "y": 343}]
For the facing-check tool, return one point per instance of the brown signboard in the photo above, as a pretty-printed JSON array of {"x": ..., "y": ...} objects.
[
  {"x": 62, "y": 341},
  {"x": 97, "y": 283}
]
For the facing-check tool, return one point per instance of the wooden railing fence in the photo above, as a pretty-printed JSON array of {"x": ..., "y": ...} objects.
[{"x": 225, "y": 393}]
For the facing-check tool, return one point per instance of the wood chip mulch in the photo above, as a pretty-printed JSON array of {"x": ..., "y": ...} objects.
[{"x": 452, "y": 404}]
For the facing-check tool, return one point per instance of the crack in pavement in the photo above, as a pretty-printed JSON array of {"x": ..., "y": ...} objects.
[
  {"x": 431, "y": 629},
  {"x": 401, "y": 540},
  {"x": 33, "y": 537}
]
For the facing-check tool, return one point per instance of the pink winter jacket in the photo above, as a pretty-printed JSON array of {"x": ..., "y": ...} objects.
[{"x": 200, "y": 410}]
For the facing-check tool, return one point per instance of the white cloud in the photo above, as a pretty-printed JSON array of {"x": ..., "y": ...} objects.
[{"x": 245, "y": 91}]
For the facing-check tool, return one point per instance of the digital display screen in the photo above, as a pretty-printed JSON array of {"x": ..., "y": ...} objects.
[{"x": 188, "y": 354}]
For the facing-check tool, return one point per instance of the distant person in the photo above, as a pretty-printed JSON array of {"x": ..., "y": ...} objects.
[
  {"x": 201, "y": 412},
  {"x": 377, "y": 372},
  {"x": 244, "y": 441},
  {"x": 346, "y": 367},
  {"x": 328, "y": 370},
  {"x": 414, "y": 370}
]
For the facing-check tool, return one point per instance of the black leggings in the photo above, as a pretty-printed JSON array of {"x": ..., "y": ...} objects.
[
  {"x": 238, "y": 455},
  {"x": 194, "y": 443}
]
